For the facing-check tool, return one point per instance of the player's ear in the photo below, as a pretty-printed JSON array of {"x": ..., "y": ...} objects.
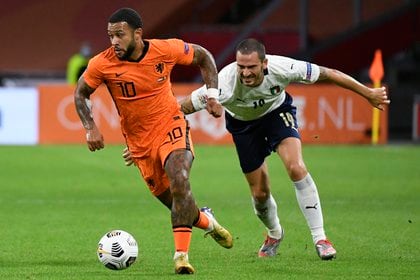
[
  {"x": 138, "y": 33},
  {"x": 265, "y": 62}
]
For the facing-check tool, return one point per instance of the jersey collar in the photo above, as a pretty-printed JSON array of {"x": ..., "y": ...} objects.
[{"x": 143, "y": 54}]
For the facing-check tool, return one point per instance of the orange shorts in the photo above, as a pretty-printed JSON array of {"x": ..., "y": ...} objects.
[{"x": 178, "y": 136}]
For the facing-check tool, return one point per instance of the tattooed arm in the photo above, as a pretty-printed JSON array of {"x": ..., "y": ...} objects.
[
  {"x": 94, "y": 138},
  {"x": 205, "y": 61}
]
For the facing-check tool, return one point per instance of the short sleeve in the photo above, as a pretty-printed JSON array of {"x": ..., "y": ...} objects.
[
  {"x": 312, "y": 73},
  {"x": 93, "y": 76},
  {"x": 306, "y": 72},
  {"x": 182, "y": 52}
]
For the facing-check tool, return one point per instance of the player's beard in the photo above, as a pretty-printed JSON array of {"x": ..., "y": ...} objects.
[
  {"x": 254, "y": 79},
  {"x": 248, "y": 80},
  {"x": 129, "y": 51}
]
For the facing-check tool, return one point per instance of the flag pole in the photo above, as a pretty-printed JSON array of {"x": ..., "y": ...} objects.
[{"x": 376, "y": 73}]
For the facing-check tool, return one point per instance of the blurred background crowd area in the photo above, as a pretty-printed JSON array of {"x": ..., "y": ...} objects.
[{"x": 40, "y": 36}]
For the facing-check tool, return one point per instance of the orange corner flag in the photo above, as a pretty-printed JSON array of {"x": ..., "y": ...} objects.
[{"x": 376, "y": 71}]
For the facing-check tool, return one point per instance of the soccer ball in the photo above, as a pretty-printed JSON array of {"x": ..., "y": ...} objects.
[{"x": 117, "y": 250}]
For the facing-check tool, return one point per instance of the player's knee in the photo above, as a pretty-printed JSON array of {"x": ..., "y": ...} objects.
[
  {"x": 180, "y": 183},
  {"x": 261, "y": 195},
  {"x": 296, "y": 171}
]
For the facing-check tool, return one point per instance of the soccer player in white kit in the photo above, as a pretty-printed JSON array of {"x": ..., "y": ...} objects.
[{"x": 262, "y": 119}]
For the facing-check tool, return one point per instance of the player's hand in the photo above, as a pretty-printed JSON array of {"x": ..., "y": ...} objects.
[
  {"x": 128, "y": 160},
  {"x": 94, "y": 139},
  {"x": 214, "y": 107},
  {"x": 379, "y": 98}
]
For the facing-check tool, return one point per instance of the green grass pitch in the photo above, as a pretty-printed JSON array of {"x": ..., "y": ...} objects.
[{"x": 57, "y": 201}]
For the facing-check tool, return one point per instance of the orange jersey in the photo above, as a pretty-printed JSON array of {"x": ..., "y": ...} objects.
[{"x": 141, "y": 90}]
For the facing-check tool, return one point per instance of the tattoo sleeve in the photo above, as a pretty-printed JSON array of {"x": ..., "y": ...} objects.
[
  {"x": 204, "y": 59},
  {"x": 83, "y": 104}
]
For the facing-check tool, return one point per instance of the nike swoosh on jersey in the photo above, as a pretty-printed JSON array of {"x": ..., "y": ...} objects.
[{"x": 119, "y": 74}]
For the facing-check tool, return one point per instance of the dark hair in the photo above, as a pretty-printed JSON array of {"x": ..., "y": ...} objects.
[
  {"x": 128, "y": 15},
  {"x": 251, "y": 45}
]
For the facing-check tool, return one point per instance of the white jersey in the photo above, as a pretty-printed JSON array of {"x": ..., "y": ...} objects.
[{"x": 249, "y": 103}]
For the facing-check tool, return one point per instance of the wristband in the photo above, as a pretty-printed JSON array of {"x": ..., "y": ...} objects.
[{"x": 213, "y": 93}]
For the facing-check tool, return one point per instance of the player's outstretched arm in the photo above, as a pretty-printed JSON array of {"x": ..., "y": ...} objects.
[
  {"x": 377, "y": 97},
  {"x": 82, "y": 94}
]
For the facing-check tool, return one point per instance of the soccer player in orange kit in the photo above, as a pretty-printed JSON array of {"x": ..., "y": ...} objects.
[{"x": 137, "y": 72}]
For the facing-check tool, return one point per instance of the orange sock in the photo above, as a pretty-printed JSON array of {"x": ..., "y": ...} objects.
[
  {"x": 202, "y": 221},
  {"x": 182, "y": 237}
]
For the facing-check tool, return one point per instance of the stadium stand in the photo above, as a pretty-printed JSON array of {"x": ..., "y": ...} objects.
[{"x": 42, "y": 34}]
